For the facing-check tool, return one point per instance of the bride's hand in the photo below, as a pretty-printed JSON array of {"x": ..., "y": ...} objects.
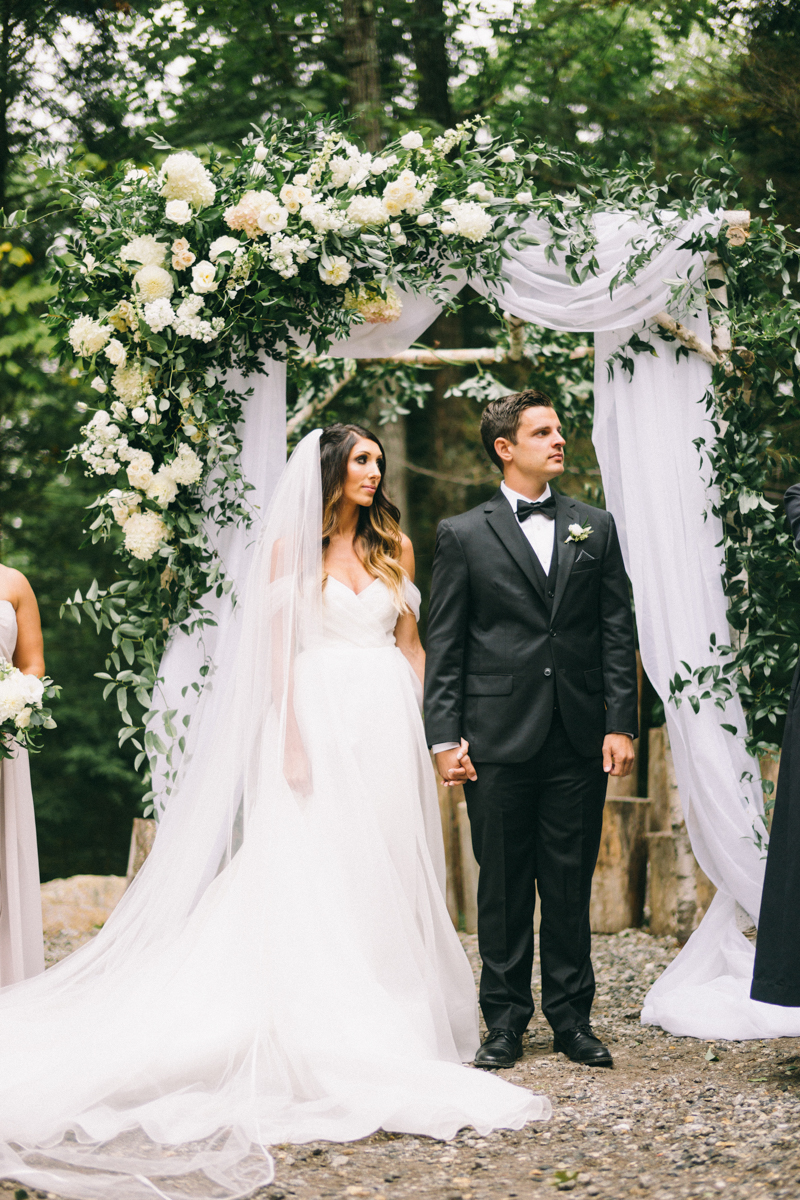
[{"x": 296, "y": 767}]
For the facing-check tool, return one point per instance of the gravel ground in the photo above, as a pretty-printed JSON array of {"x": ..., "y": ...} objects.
[{"x": 676, "y": 1117}]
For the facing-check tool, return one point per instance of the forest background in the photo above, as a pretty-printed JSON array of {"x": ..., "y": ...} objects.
[{"x": 652, "y": 80}]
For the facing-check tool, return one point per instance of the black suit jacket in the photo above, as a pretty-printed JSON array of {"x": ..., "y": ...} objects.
[{"x": 502, "y": 644}]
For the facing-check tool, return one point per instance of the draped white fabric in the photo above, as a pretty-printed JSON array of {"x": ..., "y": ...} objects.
[{"x": 654, "y": 482}]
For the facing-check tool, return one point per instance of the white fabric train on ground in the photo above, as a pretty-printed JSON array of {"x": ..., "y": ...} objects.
[{"x": 654, "y": 483}]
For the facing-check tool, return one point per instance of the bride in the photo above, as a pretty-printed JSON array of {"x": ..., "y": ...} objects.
[{"x": 283, "y": 968}]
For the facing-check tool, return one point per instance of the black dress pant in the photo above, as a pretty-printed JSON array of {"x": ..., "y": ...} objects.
[
  {"x": 537, "y": 824},
  {"x": 776, "y": 978}
]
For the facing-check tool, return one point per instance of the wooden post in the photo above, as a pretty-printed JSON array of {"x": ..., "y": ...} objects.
[
  {"x": 143, "y": 835},
  {"x": 469, "y": 868},
  {"x": 620, "y": 877}
]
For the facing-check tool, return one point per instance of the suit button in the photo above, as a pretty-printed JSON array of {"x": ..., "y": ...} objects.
[
  {"x": 547, "y": 671},
  {"x": 552, "y": 633},
  {"x": 551, "y": 595}
]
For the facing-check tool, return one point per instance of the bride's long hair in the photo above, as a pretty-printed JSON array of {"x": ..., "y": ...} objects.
[{"x": 378, "y": 525}]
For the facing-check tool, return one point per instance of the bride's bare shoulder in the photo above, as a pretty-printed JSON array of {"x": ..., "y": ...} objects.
[
  {"x": 14, "y": 586},
  {"x": 407, "y": 556}
]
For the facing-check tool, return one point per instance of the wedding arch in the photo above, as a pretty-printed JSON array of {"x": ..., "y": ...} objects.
[{"x": 358, "y": 254}]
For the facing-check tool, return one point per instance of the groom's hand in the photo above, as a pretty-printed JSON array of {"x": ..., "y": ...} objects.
[
  {"x": 455, "y": 766},
  {"x": 617, "y": 754}
]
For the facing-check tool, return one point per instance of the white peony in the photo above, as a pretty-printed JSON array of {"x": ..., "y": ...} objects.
[
  {"x": 411, "y": 141},
  {"x": 115, "y": 353},
  {"x": 448, "y": 227},
  {"x": 334, "y": 270},
  {"x": 185, "y": 178},
  {"x": 153, "y": 283},
  {"x": 144, "y": 533},
  {"x": 159, "y": 315},
  {"x": 140, "y": 466},
  {"x": 204, "y": 277},
  {"x": 506, "y": 154},
  {"x": 99, "y": 385},
  {"x": 23, "y": 718},
  {"x": 87, "y": 336},
  {"x": 163, "y": 487},
  {"x": 222, "y": 245},
  {"x": 186, "y": 468},
  {"x": 178, "y": 211},
  {"x": 367, "y": 210},
  {"x": 294, "y": 198},
  {"x": 145, "y": 250}
]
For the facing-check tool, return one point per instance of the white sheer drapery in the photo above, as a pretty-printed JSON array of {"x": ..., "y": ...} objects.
[{"x": 644, "y": 434}]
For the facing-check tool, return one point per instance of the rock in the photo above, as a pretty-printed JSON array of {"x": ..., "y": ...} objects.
[{"x": 80, "y": 904}]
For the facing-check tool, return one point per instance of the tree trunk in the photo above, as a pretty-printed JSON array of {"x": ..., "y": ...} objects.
[
  {"x": 5, "y": 97},
  {"x": 428, "y": 34},
  {"x": 363, "y": 78}
]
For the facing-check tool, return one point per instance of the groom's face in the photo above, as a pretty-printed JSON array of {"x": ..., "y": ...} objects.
[{"x": 538, "y": 453}]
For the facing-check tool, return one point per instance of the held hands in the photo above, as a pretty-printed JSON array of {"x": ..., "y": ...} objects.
[
  {"x": 617, "y": 754},
  {"x": 454, "y": 766},
  {"x": 296, "y": 767}
]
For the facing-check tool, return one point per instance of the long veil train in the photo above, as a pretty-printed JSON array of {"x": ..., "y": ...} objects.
[{"x": 265, "y": 978}]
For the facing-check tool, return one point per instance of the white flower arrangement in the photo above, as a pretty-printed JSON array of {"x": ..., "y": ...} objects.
[
  {"x": 170, "y": 303},
  {"x": 22, "y": 709},
  {"x": 579, "y": 533}
]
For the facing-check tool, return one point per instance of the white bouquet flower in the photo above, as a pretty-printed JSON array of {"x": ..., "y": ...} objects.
[
  {"x": 22, "y": 710},
  {"x": 153, "y": 283},
  {"x": 144, "y": 532},
  {"x": 185, "y": 178}
]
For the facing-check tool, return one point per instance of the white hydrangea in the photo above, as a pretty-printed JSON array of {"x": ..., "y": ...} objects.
[
  {"x": 159, "y": 315},
  {"x": 334, "y": 270},
  {"x": 411, "y": 141},
  {"x": 88, "y": 336},
  {"x": 163, "y": 487},
  {"x": 185, "y": 178},
  {"x": 146, "y": 250},
  {"x": 103, "y": 444},
  {"x": 178, "y": 211},
  {"x": 222, "y": 245},
  {"x": 322, "y": 216},
  {"x": 116, "y": 353},
  {"x": 144, "y": 533},
  {"x": 153, "y": 283},
  {"x": 471, "y": 221},
  {"x": 186, "y": 468},
  {"x": 367, "y": 210}
]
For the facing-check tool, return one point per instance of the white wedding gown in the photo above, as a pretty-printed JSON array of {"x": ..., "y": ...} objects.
[{"x": 309, "y": 985}]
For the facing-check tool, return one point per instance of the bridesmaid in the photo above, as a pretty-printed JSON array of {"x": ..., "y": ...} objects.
[
  {"x": 776, "y": 977},
  {"x": 21, "y": 943}
]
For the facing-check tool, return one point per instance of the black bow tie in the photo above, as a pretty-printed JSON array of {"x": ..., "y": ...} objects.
[{"x": 526, "y": 507}]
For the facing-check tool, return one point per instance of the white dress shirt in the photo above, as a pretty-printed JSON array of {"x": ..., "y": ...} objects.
[{"x": 540, "y": 530}]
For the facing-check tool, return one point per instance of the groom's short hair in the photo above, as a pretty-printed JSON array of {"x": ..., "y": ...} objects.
[{"x": 501, "y": 418}]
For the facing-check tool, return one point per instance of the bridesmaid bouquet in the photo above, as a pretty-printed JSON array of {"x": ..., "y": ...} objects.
[{"x": 22, "y": 710}]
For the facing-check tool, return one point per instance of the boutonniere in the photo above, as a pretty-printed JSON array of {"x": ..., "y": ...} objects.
[{"x": 579, "y": 533}]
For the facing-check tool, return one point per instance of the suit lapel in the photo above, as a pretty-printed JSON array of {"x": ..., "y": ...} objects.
[
  {"x": 566, "y": 515},
  {"x": 505, "y": 524}
]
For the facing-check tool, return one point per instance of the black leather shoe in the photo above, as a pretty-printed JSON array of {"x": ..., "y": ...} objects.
[
  {"x": 501, "y": 1048},
  {"x": 581, "y": 1046}
]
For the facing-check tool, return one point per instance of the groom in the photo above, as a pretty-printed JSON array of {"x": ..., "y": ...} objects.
[{"x": 531, "y": 668}]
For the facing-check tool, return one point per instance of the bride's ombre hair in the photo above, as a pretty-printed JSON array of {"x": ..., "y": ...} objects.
[{"x": 378, "y": 526}]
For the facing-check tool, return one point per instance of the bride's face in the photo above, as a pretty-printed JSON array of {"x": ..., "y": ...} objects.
[{"x": 363, "y": 473}]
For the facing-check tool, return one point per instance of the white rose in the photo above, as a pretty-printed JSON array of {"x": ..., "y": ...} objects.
[
  {"x": 23, "y": 718},
  {"x": 334, "y": 270},
  {"x": 506, "y": 154},
  {"x": 203, "y": 278},
  {"x": 523, "y": 198},
  {"x": 115, "y": 353},
  {"x": 179, "y": 211},
  {"x": 153, "y": 283},
  {"x": 223, "y": 245},
  {"x": 294, "y": 198},
  {"x": 99, "y": 385},
  {"x": 261, "y": 152},
  {"x": 273, "y": 218},
  {"x": 425, "y": 219},
  {"x": 448, "y": 227},
  {"x": 411, "y": 141},
  {"x": 140, "y": 415}
]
